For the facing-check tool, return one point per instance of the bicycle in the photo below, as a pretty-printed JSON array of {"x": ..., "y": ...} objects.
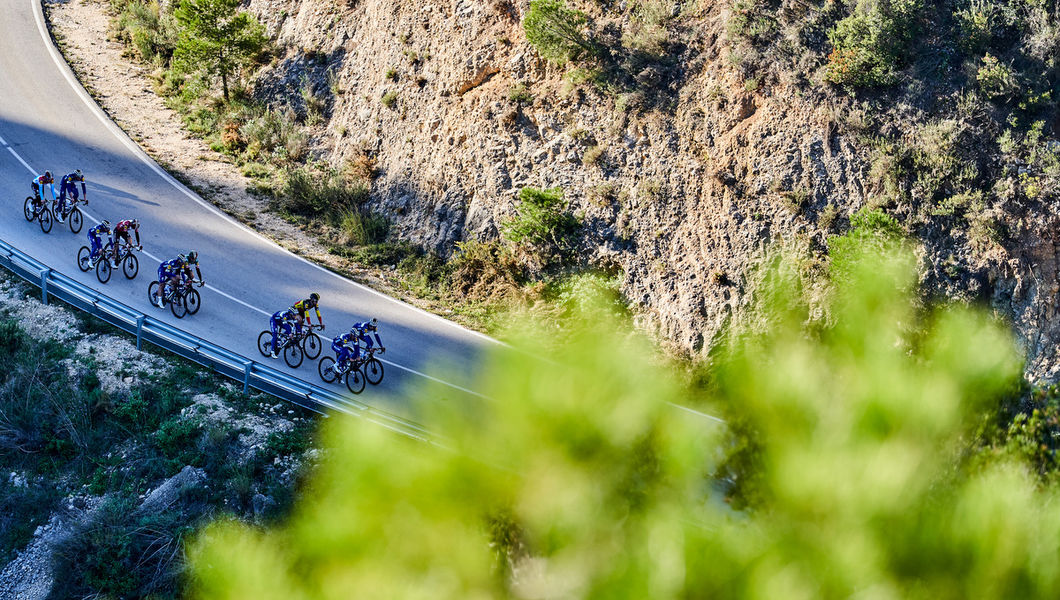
[
  {"x": 101, "y": 262},
  {"x": 130, "y": 265},
  {"x": 289, "y": 344},
  {"x": 41, "y": 212},
  {"x": 72, "y": 215},
  {"x": 182, "y": 300},
  {"x": 350, "y": 372}
]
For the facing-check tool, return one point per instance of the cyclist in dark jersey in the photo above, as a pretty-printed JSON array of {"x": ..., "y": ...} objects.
[
  {"x": 302, "y": 308},
  {"x": 68, "y": 186},
  {"x": 37, "y": 184},
  {"x": 121, "y": 233},
  {"x": 169, "y": 271},
  {"x": 95, "y": 237}
]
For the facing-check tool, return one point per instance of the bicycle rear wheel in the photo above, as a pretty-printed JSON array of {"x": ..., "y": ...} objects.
[
  {"x": 311, "y": 345},
  {"x": 373, "y": 370},
  {"x": 27, "y": 208},
  {"x": 265, "y": 342},
  {"x": 292, "y": 355},
  {"x": 193, "y": 301},
  {"x": 130, "y": 265},
  {"x": 326, "y": 368},
  {"x": 355, "y": 381},
  {"x": 45, "y": 220},
  {"x": 75, "y": 220},
  {"x": 84, "y": 259}
]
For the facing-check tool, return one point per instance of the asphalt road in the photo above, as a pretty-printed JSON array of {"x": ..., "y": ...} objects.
[{"x": 47, "y": 121}]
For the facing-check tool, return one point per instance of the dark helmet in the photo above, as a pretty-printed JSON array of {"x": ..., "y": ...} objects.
[
  {"x": 48, "y": 176},
  {"x": 135, "y": 223},
  {"x": 315, "y": 297},
  {"x": 373, "y": 323},
  {"x": 79, "y": 174},
  {"x": 105, "y": 223},
  {"x": 193, "y": 257}
]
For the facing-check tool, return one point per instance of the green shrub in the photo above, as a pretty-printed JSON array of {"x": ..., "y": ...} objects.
[
  {"x": 557, "y": 32},
  {"x": 519, "y": 94},
  {"x": 276, "y": 136},
  {"x": 312, "y": 193},
  {"x": 977, "y": 22},
  {"x": 870, "y": 45},
  {"x": 997, "y": 81},
  {"x": 363, "y": 227},
  {"x": 542, "y": 221},
  {"x": 389, "y": 99},
  {"x": 145, "y": 27}
]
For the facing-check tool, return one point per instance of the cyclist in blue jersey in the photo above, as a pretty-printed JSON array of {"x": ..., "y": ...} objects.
[
  {"x": 171, "y": 270},
  {"x": 68, "y": 185},
  {"x": 282, "y": 323},
  {"x": 344, "y": 347},
  {"x": 361, "y": 330},
  {"x": 38, "y": 184},
  {"x": 95, "y": 237}
]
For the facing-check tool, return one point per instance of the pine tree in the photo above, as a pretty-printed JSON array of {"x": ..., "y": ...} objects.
[{"x": 217, "y": 39}]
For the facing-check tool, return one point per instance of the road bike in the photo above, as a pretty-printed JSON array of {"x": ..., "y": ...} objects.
[
  {"x": 182, "y": 299},
  {"x": 41, "y": 213},
  {"x": 130, "y": 265},
  {"x": 290, "y": 346},
  {"x": 350, "y": 373},
  {"x": 101, "y": 262},
  {"x": 72, "y": 214}
]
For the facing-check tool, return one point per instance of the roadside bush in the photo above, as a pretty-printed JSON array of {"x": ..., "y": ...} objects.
[
  {"x": 869, "y": 46},
  {"x": 313, "y": 193},
  {"x": 361, "y": 227},
  {"x": 275, "y": 136},
  {"x": 146, "y": 28},
  {"x": 543, "y": 221},
  {"x": 557, "y": 32},
  {"x": 997, "y": 80}
]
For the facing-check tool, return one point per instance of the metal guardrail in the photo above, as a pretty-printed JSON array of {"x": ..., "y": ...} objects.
[{"x": 149, "y": 329}]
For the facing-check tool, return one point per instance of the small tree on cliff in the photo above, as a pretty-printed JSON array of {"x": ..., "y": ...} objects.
[
  {"x": 216, "y": 39},
  {"x": 557, "y": 32}
]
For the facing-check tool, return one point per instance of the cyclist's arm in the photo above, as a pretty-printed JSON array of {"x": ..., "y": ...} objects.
[
  {"x": 137, "y": 236},
  {"x": 198, "y": 273},
  {"x": 52, "y": 185},
  {"x": 84, "y": 191},
  {"x": 320, "y": 319}
]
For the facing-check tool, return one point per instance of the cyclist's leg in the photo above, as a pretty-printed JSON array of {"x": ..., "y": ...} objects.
[
  {"x": 274, "y": 325},
  {"x": 96, "y": 247}
]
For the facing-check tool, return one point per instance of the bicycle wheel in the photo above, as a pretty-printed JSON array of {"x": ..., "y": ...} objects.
[
  {"x": 27, "y": 208},
  {"x": 326, "y": 368},
  {"x": 265, "y": 342},
  {"x": 103, "y": 269},
  {"x": 192, "y": 300},
  {"x": 311, "y": 345},
  {"x": 355, "y": 381},
  {"x": 176, "y": 304},
  {"x": 84, "y": 259},
  {"x": 75, "y": 219},
  {"x": 45, "y": 220},
  {"x": 373, "y": 370},
  {"x": 292, "y": 355},
  {"x": 152, "y": 293},
  {"x": 130, "y": 265}
]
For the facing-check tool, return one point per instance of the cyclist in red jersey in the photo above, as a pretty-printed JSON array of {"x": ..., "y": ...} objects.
[{"x": 121, "y": 232}]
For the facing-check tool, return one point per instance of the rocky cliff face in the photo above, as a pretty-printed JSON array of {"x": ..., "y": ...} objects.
[{"x": 682, "y": 178}]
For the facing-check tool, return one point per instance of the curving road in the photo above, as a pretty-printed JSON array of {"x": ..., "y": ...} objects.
[{"x": 47, "y": 121}]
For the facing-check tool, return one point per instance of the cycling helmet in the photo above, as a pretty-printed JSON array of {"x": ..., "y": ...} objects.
[
  {"x": 315, "y": 297},
  {"x": 193, "y": 257},
  {"x": 105, "y": 223},
  {"x": 48, "y": 174},
  {"x": 182, "y": 258},
  {"x": 373, "y": 323},
  {"x": 80, "y": 175},
  {"x": 135, "y": 223}
]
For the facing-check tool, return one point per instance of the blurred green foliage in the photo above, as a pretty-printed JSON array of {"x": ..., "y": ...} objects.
[{"x": 872, "y": 462}]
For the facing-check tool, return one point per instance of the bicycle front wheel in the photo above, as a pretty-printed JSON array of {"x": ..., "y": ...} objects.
[
  {"x": 75, "y": 220},
  {"x": 292, "y": 355},
  {"x": 130, "y": 265},
  {"x": 103, "y": 269},
  {"x": 355, "y": 381},
  {"x": 265, "y": 342},
  {"x": 176, "y": 304},
  {"x": 45, "y": 220},
  {"x": 373, "y": 370},
  {"x": 311, "y": 345},
  {"x": 192, "y": 300}
]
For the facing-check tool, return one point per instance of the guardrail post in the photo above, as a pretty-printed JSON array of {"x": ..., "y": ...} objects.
[
  {"x": 44, "y": 284},
  {"x": 139, "y": 328},
  {"x": 246, "y": 376}
]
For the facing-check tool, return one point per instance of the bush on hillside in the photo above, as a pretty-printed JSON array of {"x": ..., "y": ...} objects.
[
  {"x": 869, "y": 46},
  {"x": 557, "y": 32}
]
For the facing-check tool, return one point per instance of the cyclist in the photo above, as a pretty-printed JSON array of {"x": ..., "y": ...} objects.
[
  {"x": 302, "y": 308},
  {"x": 282, "y": 323},
  {"x": 38, "y": 184},
  {"x": 344, "y": 346},
  {"x": 169, "y": 271},
  {"x": 95, "y": 237},
  {"x": 360, "y": 331},
  {"x": 121, "y": 233},
  {"x": 68, "y": 185}
]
